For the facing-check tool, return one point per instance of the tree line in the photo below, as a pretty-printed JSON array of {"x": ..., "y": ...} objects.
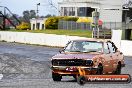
[{"x": 27, "y": 15}]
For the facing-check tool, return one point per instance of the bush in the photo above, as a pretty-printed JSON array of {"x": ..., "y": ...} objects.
[
  {"x": 23, "y": 26},
  {"x": 52, "y": 22},
  {"x": 70, "y": 18}
]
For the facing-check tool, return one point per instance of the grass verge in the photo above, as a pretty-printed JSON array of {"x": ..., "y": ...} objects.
[{"x": 81, "y": 33}]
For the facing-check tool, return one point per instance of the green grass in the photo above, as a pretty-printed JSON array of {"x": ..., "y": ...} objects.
[{"x": 81, "y": 33}]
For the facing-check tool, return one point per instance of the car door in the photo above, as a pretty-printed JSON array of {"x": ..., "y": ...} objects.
[
  {"x": 107, "y": 58},
  {"x": 118, "y": 56},
  {"x": 114, "y": 56}
]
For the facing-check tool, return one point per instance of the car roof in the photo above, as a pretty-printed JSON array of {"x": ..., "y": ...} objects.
[{"x": 93, "y": 40}]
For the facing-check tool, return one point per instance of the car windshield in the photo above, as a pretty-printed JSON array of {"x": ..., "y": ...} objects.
[{"x": 84, "y": 46}]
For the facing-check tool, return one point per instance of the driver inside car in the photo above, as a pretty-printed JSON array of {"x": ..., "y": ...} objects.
[{"x": 77, "y": 46}]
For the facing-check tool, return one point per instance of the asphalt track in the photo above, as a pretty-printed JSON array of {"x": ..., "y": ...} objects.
[{"x": 28, "y": 66}]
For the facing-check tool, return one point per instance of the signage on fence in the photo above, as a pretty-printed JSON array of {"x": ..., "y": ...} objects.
[{"x": 100, "y": 22}]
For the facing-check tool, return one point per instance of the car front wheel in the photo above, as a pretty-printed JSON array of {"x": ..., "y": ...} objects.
[
  {"x": 100, "y": 69},
  {"x": 118, "y": 69},
  {"x": 81, "y": 80},
  {"x": 56, "y": 77}
]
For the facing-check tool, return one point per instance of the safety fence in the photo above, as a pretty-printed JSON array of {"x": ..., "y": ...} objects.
[{"x": 72, "y": 25}]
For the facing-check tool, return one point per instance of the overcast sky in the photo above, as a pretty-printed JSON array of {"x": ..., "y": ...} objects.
[{"x": 18, "y": 6}]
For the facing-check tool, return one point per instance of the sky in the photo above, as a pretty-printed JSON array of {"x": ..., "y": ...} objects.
[{"x": 18, "y": 6}]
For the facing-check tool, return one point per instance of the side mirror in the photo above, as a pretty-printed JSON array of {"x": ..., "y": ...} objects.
[{"x": 61, "y": 51}]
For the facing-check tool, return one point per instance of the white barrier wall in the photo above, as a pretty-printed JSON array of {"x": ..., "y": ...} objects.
[
  {"x": 126, "y": 47},
  {"x": 116, "y": 38},
  {"x": 53, "y": 40},
  {"x": 37, "y": 38}
]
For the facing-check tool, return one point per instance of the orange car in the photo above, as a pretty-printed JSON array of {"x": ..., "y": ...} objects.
[{"x": 98, "y": 57}]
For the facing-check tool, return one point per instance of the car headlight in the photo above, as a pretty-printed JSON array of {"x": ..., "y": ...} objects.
[{"x": 89, "y": 62}]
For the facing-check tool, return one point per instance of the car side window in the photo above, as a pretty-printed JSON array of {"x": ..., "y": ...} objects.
[
  {"x": 106, "y": 50},
  {"x": 111, "y": 48},
  {"x": 68, "y": 46}
]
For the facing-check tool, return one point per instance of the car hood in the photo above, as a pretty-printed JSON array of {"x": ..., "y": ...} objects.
[{"x": 74, "y": 56}]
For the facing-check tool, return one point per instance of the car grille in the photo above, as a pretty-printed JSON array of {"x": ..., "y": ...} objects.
[{"x": 72, "y": 62}]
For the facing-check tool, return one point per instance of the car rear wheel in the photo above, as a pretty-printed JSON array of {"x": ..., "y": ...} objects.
[
  {"x": 100, "y": 69},
  {"x": 81, "y": 80},
  {"x": 118, "y": 69},
  {"x": 56, "y": 77}
]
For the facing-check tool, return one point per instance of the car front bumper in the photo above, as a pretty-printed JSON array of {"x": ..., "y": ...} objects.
[{"x": 63, "y": 70}]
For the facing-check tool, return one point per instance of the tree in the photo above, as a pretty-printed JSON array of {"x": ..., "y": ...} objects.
[
  {"x": 27, "y": 15},
  {"x": 48, "y": 15},
  {"x": 32, "y": 14}
]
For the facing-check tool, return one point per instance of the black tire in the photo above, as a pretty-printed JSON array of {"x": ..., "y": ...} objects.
[
  {"x": 81, "y": 80},
  {"x": 56, "y": 77},
  {"x": 75, "y": 77},
  {"x": 100, "y": 69},
  {"x": 118, "y": 69}
]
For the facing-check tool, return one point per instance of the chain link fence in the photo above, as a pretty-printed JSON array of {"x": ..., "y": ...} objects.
[
  {"x": 72, "y": 25},
  {"x": 102, "y": 31}
]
